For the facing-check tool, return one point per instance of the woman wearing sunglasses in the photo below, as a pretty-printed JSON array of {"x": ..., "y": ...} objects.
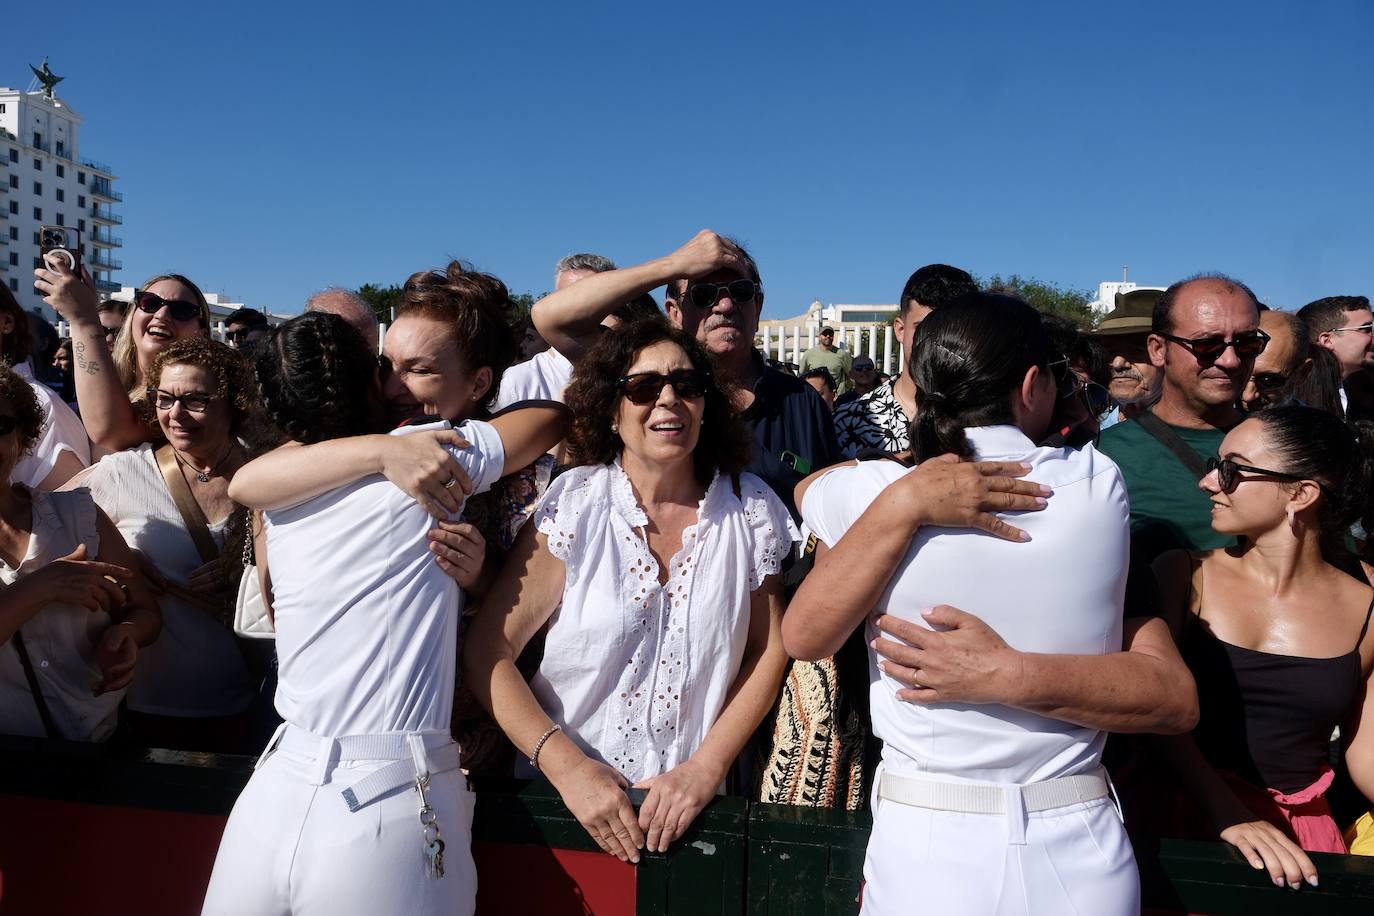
[
  {"x": 654, "y": 563},
  {"x": 195, "y": 686},
  {"x": 1277, "y": 636},
  {"x": 112, "y": 387}
]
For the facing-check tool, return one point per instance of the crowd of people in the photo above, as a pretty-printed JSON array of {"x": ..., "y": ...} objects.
[{"x": 607, "y": 544}]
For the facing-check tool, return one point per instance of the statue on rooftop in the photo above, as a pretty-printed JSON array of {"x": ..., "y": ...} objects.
[{"x": 46, "y": 77}]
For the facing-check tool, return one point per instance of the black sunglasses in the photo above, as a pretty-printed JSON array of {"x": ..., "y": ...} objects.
[
  {"x": 1268, "y": 382},
  {"x": 194, "y": 402},
  {"x": 1227, "y": 470},
  {"x": 1096, "y": 398},
  {"x": 705, "y": 295},
  {"x": 7, "y": 424},
  {"x": 152, "y": 303},
  {"x": 645, "y": 387},
  {"x": 1247, "y": 346}
]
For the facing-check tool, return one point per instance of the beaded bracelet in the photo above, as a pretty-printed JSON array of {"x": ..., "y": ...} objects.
[{"x": 539, "y": 745}]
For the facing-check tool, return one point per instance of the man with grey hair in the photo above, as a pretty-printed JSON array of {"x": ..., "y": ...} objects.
[{"x": 349, "y": 306}]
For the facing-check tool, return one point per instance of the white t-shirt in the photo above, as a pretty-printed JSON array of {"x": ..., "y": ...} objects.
[
  {"x": 542, "y": 377},
  {"x": 367, "y": 623},
  {"x": 637, "y": 673},
  {"x": 195, "y": 668},
  {"x": 1061, "y": 592},
  {"x": 62, "y": 431},
  {"x": 61, "y": 638}
]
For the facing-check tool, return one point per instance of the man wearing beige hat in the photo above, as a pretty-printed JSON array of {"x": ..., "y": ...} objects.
[{"x": 1123, "y": 333}]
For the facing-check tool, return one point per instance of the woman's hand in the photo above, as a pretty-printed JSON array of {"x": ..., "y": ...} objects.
[
  {"x": 71, "y": 294},
  {"x": 460, "y": 550},
  {"x": 674, "y": 801},
  {"x": 595, "y": 794},
  {"x": 1266, "y": 846},
  {"x": 208, "y": 578},
  {"x": 420, "y": 465},
  {"x": 115, "y": 654},
  {"x": 73, "y": 579}
]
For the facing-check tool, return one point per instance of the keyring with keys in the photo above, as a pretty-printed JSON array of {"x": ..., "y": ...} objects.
[{"x": 429, "y": 831}]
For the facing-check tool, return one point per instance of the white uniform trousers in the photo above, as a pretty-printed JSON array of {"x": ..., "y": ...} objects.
[
  {"x": 292, "y": 847},
  {"x": 1074, "y": 859}
]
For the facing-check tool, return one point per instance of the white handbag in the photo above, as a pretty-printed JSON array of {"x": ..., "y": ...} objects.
[{"x": 251, "y": 620}]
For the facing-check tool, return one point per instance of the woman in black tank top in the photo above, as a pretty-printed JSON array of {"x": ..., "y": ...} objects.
[{"x": 1277, "y": 637}]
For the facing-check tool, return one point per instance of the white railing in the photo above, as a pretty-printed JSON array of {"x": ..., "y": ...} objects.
[{"x": 785, "y": 344}]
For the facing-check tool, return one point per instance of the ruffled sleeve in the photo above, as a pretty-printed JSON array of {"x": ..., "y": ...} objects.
[
  {"x": 560, "y": 512},
  {"x": 770, "y": 526}
]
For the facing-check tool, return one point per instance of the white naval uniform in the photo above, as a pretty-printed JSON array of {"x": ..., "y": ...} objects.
[
  {"x": 1061, "y": 592},
  {"x": 542, "y": 377},
  {"x": 367, "y": 637}
]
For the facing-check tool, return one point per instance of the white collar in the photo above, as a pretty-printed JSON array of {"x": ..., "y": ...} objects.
[{"x": 998, "y": 441}]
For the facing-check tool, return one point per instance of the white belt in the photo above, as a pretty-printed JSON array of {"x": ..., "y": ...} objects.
[
  {"x": 983, "y": 798},
  {"x": 414, "y": 756}
]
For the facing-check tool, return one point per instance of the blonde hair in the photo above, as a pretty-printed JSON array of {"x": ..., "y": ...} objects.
[{"x": 126, "y": 354}]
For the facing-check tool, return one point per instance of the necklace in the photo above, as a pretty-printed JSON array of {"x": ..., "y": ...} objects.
[{"x": 203, "y": 476}]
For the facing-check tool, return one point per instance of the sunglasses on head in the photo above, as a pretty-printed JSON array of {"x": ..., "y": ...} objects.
[
  {"x": 1096, "y": 398},
  {"x": 1228, "y": 471},
  {"x": 8, "y": 424},
  {"x": 1247, "y": 345},
  {"x": 152, "y": 303},
  {"x": 645, "y": 387},
  {"x": 195, "y": 402},
  {"x": 706, "y": 295}
]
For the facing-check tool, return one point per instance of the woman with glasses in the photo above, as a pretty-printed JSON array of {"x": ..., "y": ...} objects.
[
  {"x": 111, "y": 386},
  {"x": 194, "y": 686},
  {"x": 995, "y": 799},
  {"x": 654, "y": 564},
  {"x": 1277, "y": 636}
]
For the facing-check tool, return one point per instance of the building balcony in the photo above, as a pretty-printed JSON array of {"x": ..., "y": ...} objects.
[
  {"x": 106, "y": 241},
  {"x": 105, "y": 216},
  {"x": 95, "y": 166},
  {"x": 103, "y": 191},
  {"x": 101, "y": 261},
  {"x": 107, "y": 286}
]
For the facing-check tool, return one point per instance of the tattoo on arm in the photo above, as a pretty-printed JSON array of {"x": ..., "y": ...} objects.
[{"x": 89, "y": 366}]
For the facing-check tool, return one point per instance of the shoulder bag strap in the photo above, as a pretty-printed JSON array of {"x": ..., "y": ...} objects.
[
  {"x": 49, "y": 725},
  {"x": 196, "y": 525},
  {"x": 1185, "y": 453}
]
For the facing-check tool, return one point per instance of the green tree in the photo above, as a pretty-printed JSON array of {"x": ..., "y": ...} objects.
[
  {"x": 383, "y": 299},
  {"x": 1047, "y": 297}
]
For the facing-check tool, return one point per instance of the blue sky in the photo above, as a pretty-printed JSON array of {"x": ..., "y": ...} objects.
[{"x": 268, "y": 150}]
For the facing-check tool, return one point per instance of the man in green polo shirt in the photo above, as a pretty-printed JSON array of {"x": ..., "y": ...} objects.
[
  {"x": 825, "y": 355},
  {"x": 1204, "y": 338}
]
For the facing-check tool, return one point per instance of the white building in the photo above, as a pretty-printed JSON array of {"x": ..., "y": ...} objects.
[
  {"x": 1107, "y": 292},
  {"x": 44, "y": 181}
]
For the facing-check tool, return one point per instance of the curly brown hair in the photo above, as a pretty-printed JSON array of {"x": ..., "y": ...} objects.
[
  {"x": 17, "y": 345},
  {"x": 27, "y": 413},
  {"x": 594, "y": 395},
  {"x": 234, "y": 378},
  {"x": 478, "y": 309}
]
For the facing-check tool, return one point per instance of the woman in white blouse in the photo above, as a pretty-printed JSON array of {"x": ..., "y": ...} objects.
[{"x": 654, "y": 563}]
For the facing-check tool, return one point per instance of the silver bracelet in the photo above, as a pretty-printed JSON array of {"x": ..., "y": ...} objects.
[{"x": 539, "y": 745}]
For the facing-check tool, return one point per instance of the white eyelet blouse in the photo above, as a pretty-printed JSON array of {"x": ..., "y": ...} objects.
[{"x": 637, "y": 672}]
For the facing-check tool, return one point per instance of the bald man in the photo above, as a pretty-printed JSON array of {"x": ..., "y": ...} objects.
[{"x": 1284, "y": 363}]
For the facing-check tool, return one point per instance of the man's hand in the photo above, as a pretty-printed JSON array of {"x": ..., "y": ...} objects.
[
  {"x": 966, "y": 663},
  {"x": 707, "y": 253},
  {"x": 950, "y": 492}
]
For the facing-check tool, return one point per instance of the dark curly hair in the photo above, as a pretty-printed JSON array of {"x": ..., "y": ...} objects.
[
  {"x": 478, "y": 309},
  {"x": 316, "y": 374},
  {"x": 234, "y": 380},
  {"x": 27, "y": 414},
  {"x": 15, "y": 346},
  {"x": 594, "y": 395}
]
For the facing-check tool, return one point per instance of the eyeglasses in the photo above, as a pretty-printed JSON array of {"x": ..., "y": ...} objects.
[
  {"x": 152, "y": 303},
  {"x": 1096, "y": 398},
  {"x": 860, "y": 368},
  {"x": 112, "y": 331},
  {"x": 195, "y": 402},
  {"x": 1227, "y": 470},
  {"x": 1366, "y": 328},
  {"x": 7, "y": 424},
  {"x": 645, "y": 387},
  {"x": 706, "y": 295},
  {"x": 1210, "y": 348},
  {"x": 1268, "y": 382}
]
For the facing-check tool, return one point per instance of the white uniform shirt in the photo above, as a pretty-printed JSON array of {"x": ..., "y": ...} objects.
[
  {"x": 542, "y": 377},
  {"x": 195, "y": 668},
  {"x": 62, "y": 431},
  {"x": 367, "y": 623},
  {"x": 1061, "y": 592},
  {"x": 61, "y": 638},
  {"x": 636, "y": 673}
]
